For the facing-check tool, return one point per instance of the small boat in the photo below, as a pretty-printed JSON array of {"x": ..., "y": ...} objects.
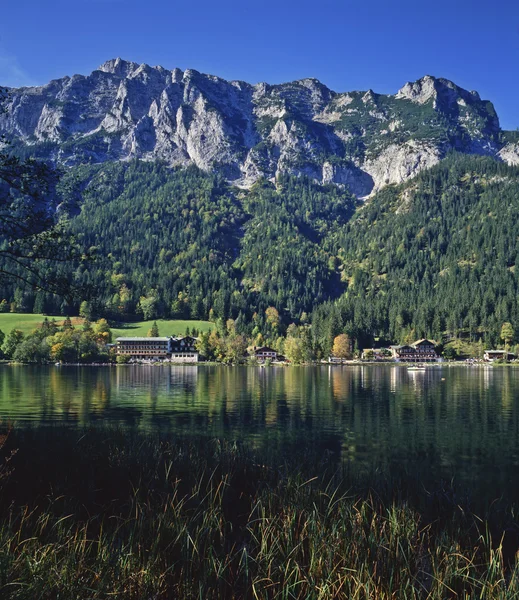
[{"x": 416, "y": 368}]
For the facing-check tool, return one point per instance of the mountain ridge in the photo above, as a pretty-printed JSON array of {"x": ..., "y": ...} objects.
[{"x": 358, "y": 140}]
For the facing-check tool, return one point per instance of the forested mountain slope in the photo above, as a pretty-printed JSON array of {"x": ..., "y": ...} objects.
[
  {"x": 388, "y": 216},
  {"x": 440, "y": 253},
  {"x": 187, "y": 244},
  {"x": 434, "y": 255}
]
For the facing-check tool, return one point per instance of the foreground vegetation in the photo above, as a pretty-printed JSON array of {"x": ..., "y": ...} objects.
[{"x": 107, "y": 513}]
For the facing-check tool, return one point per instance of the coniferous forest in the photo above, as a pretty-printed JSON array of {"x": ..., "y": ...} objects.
[{"x": 433, "y": 257}]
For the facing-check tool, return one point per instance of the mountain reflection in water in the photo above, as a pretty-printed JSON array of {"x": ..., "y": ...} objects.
[{"x": 461, "y": 422}]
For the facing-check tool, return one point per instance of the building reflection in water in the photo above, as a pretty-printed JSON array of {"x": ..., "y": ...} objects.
[{"x": 461, "y": 421}]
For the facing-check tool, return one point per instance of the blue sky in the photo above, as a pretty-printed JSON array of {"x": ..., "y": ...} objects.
[{"x": 348, "y": 44}]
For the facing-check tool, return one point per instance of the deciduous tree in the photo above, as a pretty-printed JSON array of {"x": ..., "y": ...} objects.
[
  {"x": 102, "y": 332},
  {"x": 342, "y": 346},
  {"x": 148, "y": 307},
  {"x": 13, "y": 338},
  {"x": 272, "y": 315},
  {"x": 294, "y": 350}
]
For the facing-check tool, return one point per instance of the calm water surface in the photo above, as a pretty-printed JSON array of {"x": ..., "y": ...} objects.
[{"x": 461, "y": 422}]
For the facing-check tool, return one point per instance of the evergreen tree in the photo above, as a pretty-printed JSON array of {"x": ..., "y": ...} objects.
[
  {"x": 39, "y": 303},
  {"x": 85, "y": 310},
  {"x": 154, "y": 331},
  {"x": 48, "y": 328}
]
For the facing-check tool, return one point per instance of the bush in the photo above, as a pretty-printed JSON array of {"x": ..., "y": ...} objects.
[{"x": 450, "y": 353}]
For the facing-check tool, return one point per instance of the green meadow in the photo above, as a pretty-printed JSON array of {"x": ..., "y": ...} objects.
[
  {"x": 166, "y": 327},
  {"x": 29, "y": 322}
]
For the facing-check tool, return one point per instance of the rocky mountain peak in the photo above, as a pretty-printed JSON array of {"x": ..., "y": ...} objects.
[
  {"x": 369, "y": 97},
  {"x": 359, "y": 140},
  {"x": 437, "y": 89},
  {"x": 177, "y": 75},
  {"x": 420, "y": 91},
  {"x": 118, "y": 67}
]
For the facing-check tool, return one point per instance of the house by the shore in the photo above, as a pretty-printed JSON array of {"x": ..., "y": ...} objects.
[
  {"x": 421, "y": 351},
  {"x": 171, "y": 349},
  {"x": 492, "y": 355},
  {"x": 264, "y": 353},
  {"x": 143, "y": 347},
  {"x": 183, "y": 349}
]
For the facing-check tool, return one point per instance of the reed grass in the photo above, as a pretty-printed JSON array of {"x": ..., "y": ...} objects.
[{"x": 117, "y": 514}]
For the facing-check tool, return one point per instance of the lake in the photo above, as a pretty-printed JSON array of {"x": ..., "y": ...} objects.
[{"x": 460, "y": 422}]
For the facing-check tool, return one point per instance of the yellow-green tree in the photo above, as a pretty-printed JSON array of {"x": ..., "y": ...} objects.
[
  {"x": 230, "y": 325},
  {"x": 342, "y": 346},
  {"x": 235, "y": 348},
  {"x": 216, "y": 345},
  {"x": 11, "y": 341},
  {"x": 507, "y": 334},
  {"x": 102, "y": 332},
  {"x": 294, "y": 350},
  {"x": 272, "y": 315}
]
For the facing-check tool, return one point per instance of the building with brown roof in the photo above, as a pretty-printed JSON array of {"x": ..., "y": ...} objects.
[{"x": 421, "y": 351}]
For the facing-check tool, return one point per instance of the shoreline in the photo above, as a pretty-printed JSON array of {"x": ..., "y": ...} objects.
[{"x": 400, "y": 365}]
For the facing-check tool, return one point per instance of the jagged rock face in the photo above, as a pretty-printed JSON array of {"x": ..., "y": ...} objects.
[
  {"x": 510, "y": 154},
  {"x": 359, "y": 140},
  {"x": 400, "y": 162},
  {"x": 441, "y": 91}
]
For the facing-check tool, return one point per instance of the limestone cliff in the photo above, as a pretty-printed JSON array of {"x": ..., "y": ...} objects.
[{"x": 359, "y": 140}]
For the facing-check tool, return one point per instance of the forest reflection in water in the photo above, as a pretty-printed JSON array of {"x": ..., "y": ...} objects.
[{"x": 458, "y": 421}]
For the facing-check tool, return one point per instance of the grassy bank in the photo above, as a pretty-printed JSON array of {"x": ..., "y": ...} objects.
[
  {"x": 109, "y": 514},
  {"x": 27, "y": 323}
]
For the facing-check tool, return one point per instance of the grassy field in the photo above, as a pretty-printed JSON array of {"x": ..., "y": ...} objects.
[
  {"x": 27, "y": 323},
  {"x": 118, "y": 514},
  {"x": 141, "y": 328}
]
